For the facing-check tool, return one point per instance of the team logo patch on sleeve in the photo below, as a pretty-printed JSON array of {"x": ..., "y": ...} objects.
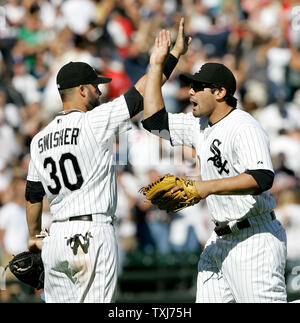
[{"x": 217, "y": 158}]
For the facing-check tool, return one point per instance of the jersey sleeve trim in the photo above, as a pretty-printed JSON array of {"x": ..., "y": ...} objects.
[
  {"x": 134, "y": 101},
  {"x": 158, "y": 124},
  {"x": 34, "y": 192},
  {"x": 263, "y": 177}
]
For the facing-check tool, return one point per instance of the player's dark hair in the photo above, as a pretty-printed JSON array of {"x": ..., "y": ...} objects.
[{"x": 229, "y": 99}]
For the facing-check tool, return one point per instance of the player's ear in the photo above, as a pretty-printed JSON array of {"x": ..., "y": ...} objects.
[
  {"x": 220, "y": 93},
  {"x": 82, "y": 91}
]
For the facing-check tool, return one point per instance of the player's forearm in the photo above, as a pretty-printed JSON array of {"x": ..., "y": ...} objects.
[
  {"x": 242, "y": 184},
  {"x": 153, "y": 100},
  {"x": 176, "y": 53},
  {"x": 141, "y": 83},
  {"x": 34, "y": 217}
]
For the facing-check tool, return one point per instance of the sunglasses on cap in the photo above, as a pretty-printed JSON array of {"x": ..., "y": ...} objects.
[{"x": 199, "y": 86}]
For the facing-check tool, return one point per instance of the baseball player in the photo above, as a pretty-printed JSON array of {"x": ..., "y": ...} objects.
[
  {"x": 244, "y": 259},
  {"x": 72, "y": 163}
]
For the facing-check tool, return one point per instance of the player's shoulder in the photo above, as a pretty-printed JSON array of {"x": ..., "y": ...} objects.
[
  {"x": 43, "y": 131},
  {"x": 245, "y": 124},
  {"x": 107, "y": 106},
  {"x": 183, "y": 120},
  {"x": 242, "y": 118}
]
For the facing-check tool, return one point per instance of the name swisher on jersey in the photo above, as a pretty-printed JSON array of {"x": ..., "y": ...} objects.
[{"x": 67, "y": 136}]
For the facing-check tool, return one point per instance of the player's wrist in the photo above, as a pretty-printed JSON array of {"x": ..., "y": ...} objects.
[
  {"x": 156, "y": 67},
  {"x": 203, "y": 188},
  {"x": 170, "y": 65},
  {"x": 181, "y": 49},
  {"x": 176, "y": 53}
]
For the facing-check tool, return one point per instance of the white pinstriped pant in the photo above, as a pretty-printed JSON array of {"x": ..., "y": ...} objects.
[
  {"x": 245, "y": 267},
  {"x": 85, "y": 277}
]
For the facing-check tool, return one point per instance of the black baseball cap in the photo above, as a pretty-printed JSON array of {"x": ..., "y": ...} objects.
[
  {"x": 78, "y": 73},
  {"x": 212, "y": 73}
]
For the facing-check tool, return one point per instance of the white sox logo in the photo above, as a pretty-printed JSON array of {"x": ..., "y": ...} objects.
[{"x": 217, "y": 159}]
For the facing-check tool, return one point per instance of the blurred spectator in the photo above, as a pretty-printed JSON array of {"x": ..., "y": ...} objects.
[
  {"x": 15, "y": 13},
  {"x": 78, "y": 15},
  {"x": 285, "y": 178},
  {"x": 9, "y": 112},
  {"x": 40, "y": 72},
  {"x": 263, "y": 15},
  {"x": 120, "y": 28},
  {"x": 278, "y": 57},
  {"x": 47, "y": 14},
  {"x": 190, "y": 228},
  {"x": 152, "y": 223},
  {"x": 9, "y": 145},
  {"x": 199, "y": 19},
  {"x": 169, "y": 91},
  {"x": 144, "y": 238},
  {"x": 287, "y": 211},
  {"x": 279, "y": 117},
  {"x": 292, "y": 75},
  {"x": 126, "y": 227},
  {"x": 212, "y": 6},
  {"x": 32, "y": 36},
  {"x": 25, "y": 83},
  {"x": 215, "y": 41},
  {"x": 120, "y": 81},
  {"x": 288, "y": 146},
  {"x": 13, "y": 226}
]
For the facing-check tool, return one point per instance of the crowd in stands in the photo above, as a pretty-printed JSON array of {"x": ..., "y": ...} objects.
[{"x": 259, "y": 40}]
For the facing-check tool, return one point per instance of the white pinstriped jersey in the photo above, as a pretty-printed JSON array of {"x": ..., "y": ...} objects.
[
  {"x": 73, "y": 158},
  {"x": 231, "y": 146}
]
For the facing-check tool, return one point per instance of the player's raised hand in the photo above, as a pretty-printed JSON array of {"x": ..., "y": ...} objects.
[
  {"x": 161, "y": 48},
  {"x": 182, "y": 41}
]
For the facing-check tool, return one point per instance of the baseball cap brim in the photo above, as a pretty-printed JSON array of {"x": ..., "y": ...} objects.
[
  {"x": 100, "y": 80},
  {"x": 189, "y": 78}
]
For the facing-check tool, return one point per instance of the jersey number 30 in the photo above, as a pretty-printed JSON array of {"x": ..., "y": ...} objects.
[{"x": 53, "y": 173}]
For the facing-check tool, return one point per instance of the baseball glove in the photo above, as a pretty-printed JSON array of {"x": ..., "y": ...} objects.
[
  {"x": 158, "y": 193},
  {"x": 28, "y": 268}
]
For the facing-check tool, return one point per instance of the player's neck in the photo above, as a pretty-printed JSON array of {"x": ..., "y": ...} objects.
[
  {"x": 71, "y": 105},
  {"x": 220, "y": 112}
]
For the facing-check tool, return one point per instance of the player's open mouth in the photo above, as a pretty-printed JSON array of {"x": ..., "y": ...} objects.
[{"x": 193, "y": 103}]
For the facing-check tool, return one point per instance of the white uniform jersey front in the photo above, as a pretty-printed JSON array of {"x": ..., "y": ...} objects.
[
  {"x": 73, "y": 158},
  {"x": 231, "y": 146}
]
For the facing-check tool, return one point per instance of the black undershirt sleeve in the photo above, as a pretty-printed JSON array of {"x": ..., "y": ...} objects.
[
  {"x": 263, "y": 177},
  {"x": 135, "y": 101},
  {"x": 34, "y": 192},
  {"x": 158, "y": 124}
]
